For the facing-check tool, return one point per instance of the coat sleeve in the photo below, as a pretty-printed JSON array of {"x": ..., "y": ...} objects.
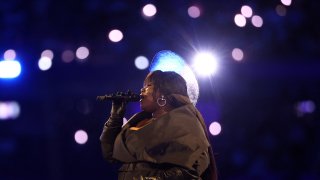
[{"x": 109, "y": 133}]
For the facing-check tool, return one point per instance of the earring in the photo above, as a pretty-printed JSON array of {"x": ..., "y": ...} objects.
[{"x": 161, "y": 99}]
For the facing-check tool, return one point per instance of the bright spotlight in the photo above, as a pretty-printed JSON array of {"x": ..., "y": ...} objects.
[
  {"x": 9, "y": 69},
  {"x": 205, "y": 64}
]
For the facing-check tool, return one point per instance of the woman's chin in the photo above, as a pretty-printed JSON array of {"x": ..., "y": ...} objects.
[{"x": 141, "y": 106}]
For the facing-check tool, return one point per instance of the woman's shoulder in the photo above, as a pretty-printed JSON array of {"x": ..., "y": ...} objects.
[
  {"x": 136, "y": 118},
  {"x": 189, "y": 111}
]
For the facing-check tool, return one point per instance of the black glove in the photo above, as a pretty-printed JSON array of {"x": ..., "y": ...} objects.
[{"x": 118, "y": 110}]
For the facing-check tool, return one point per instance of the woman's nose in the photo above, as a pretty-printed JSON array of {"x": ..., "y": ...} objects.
[{"x": 142, "y": 89}]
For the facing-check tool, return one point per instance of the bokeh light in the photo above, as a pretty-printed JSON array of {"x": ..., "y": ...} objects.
[
  {"x": 215, "y": 128},
  {"x": 141, "y": 62},
  {"x": 257, "y": 21},
  {"x": 240, "y": 20},
  {"x": 115, "y": 35},
  {"x": 305, "y": 107},
  {"x": 205, "y": 63},
  {"x": 194, "y": 12},
  {"x": 47, "y": 53},
  {"x": 9, "y": 69},
  {"x": 81, "y": 136},
  {"x": 44, "y": 63},
  {"x": 237, "y": 54},
  {"x": 9, "y": 54},
  {"x": 82, "y": 53},
  {"x": 281, "y": 10},
  {"x": 67, "y": 56},
  {"x": 286, "y": 2},
  {"x": 9, "y": 110},
  {"x": 246, "y": 11},
  {"x": 149, "y": 10}
]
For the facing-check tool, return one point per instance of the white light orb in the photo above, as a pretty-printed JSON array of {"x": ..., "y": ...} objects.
[
  {"x": 215, "y": 128},
  {"x": 149, "y": 10},
  {"x": 141, "y": 62},
  {"x": 286, "y": 2},
  {"x": 240, "y": 20},
  {"x": 205, "y": 64},
  {"x": 246, "y": 11},
  {"x": 44, "y": 63},
  {"x": 9, "y": 69},
  {"x": 115, "y": 35},
  {"x": 81, "y": 137}
]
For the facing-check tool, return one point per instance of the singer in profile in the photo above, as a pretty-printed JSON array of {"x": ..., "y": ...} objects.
[{"x": 166, "y": 140}]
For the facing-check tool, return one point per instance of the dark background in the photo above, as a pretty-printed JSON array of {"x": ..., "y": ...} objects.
[{"x": 263, "y": 136}]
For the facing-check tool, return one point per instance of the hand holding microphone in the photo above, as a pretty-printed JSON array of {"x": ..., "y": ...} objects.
[{"x": 119, "y": 102}]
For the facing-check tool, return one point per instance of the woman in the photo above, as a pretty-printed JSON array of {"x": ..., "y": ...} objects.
[{"x": 167, "y": 140}]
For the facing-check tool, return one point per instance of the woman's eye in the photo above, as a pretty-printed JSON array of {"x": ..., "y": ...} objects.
[{"x": 146, "y": 86}]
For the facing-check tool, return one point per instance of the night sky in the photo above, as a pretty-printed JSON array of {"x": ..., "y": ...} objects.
[{"x": 267, "y": 103}]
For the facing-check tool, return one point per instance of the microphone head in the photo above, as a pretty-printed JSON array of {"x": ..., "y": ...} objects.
[
  {"x": 101, "y": 98},
  {"x": 134, "y": 98}
]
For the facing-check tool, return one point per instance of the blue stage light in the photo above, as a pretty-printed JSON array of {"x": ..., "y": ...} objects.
[
  {"x": 9, "y": 69},
  {"x": 169, "y": 61}
]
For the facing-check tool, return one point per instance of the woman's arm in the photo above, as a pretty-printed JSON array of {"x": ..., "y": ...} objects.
[
  {"x": 112, "y": 128},
  {"x": 109, "y": 133}
]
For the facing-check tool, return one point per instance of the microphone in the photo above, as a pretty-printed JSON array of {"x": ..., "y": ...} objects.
[{"x": 120, "y": 96}]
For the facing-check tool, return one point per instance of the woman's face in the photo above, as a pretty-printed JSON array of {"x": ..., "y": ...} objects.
[{"x": 147, "y": 102}]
